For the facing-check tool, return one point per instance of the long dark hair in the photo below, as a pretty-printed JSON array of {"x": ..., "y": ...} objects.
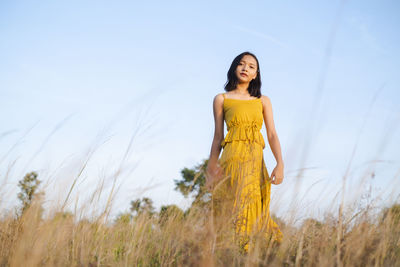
[{"x": 254, "y": 86}]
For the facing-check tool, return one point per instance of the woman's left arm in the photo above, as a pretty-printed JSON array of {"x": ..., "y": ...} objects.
[{"x": 273, "y": 140}]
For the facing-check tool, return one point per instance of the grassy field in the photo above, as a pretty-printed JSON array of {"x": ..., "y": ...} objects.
[{"x": 174, "y": 238}]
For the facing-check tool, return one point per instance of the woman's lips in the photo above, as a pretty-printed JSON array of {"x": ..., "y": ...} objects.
[{"x": 243, "y": 74}]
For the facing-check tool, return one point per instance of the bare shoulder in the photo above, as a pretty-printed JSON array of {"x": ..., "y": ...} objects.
[
  {"x": 219, "y": 99},
  {"x": 265, "y": 100}
]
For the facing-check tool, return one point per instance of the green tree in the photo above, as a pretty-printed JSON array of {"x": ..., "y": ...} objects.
[
  {"x": 192, "y": 183},
  {"x": 170, "y": 212},
  {"x": 124, "y": 218},
  {"x": 29, "y": 186},
  {"x": 142, "y": 205}
]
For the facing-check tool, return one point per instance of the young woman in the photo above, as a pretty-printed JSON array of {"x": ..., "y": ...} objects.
[{"x": 239, "y": 181}]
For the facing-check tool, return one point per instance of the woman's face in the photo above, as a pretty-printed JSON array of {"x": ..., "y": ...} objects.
[{"x": 246, "y": 70}]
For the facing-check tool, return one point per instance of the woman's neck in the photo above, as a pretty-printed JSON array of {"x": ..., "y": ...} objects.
[{"x": 241, "y": 88}]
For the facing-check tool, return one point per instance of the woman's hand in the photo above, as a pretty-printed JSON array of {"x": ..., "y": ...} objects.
[
  {"x": 277, "y": 174},
  {"x": 214, "y": 173}
]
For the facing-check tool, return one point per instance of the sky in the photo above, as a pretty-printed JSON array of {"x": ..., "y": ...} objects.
[{"x": 118, "y": 96}]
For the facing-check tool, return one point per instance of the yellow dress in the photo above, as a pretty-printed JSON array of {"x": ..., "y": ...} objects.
[{"x": 242, "y": 197}]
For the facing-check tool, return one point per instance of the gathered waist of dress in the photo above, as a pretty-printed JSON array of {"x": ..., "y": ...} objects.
[
  {"x": 255, "y": 125},
  {"x": 244, "y": 132}
]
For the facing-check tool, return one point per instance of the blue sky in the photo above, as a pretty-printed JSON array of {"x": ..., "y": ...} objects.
[{"x": 75, "y": 75}]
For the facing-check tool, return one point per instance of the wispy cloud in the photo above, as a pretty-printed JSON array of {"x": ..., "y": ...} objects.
[
  {"x": 263, "y": 36},
  {"x": 276, "y": 41},
  {"x": 366, "y": 35}
]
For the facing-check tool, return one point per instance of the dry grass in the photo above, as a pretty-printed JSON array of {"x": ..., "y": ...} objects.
[{"x": 177, "y": 240}]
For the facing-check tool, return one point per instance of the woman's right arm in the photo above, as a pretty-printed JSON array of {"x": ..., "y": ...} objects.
[
  {"x": 212, "y": 167},
  {"x": 219, "y": 128}
]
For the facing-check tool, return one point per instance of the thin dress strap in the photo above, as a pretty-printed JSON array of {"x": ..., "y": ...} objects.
[{"x": 224, "y": 95}]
